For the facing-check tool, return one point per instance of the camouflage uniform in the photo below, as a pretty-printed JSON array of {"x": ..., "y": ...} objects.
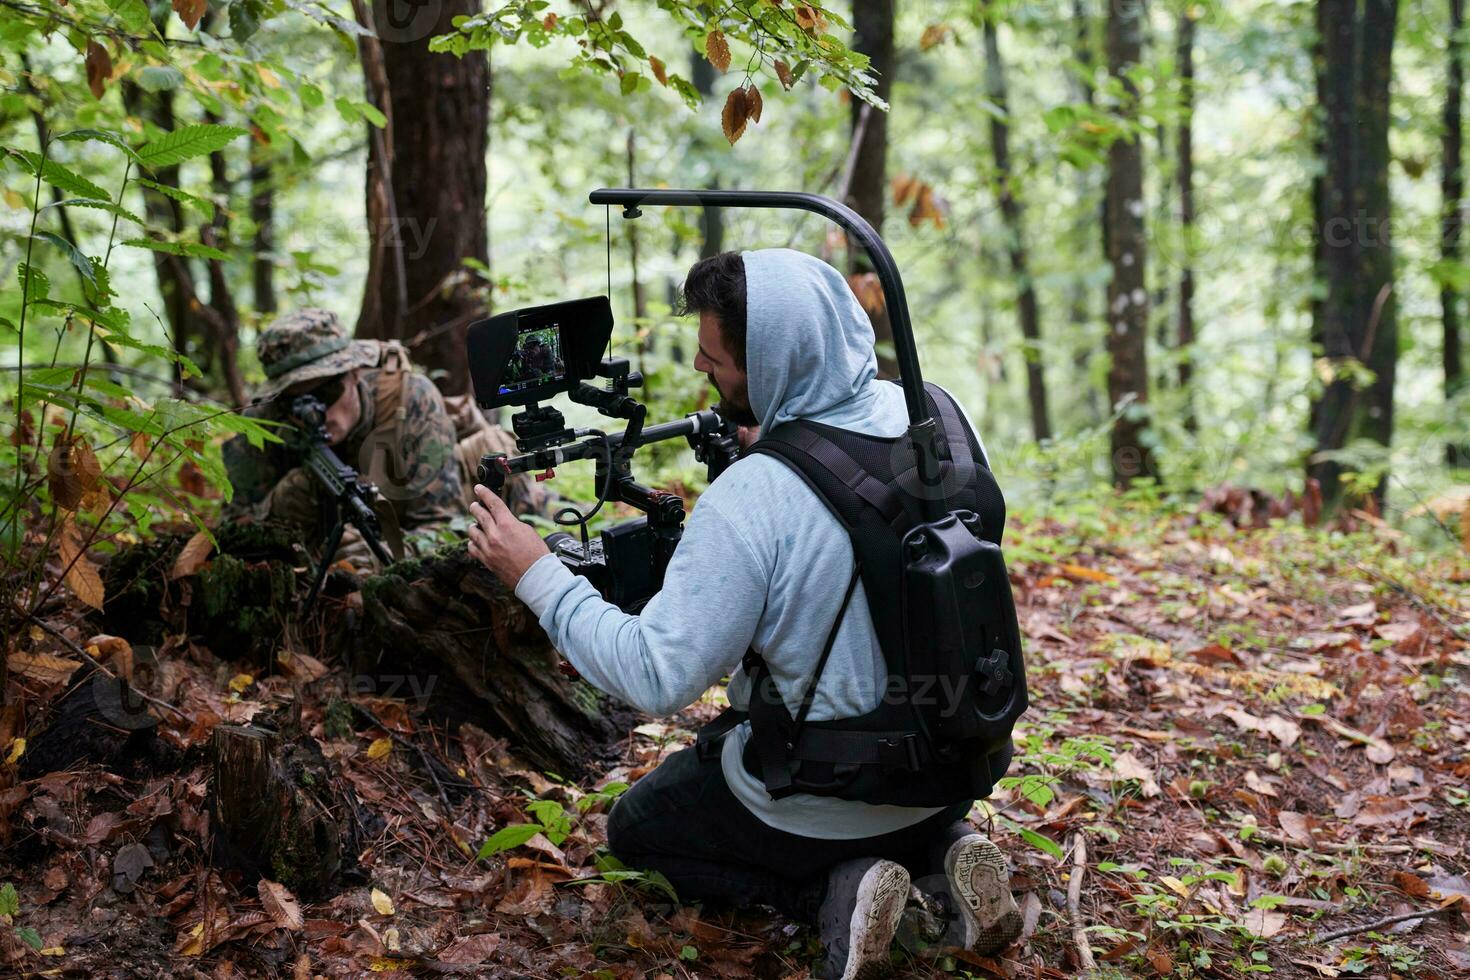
[{"x": 404, "y": 441}]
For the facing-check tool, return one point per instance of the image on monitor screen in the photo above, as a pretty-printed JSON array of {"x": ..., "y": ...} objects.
[{"x": 535, "y": 361}]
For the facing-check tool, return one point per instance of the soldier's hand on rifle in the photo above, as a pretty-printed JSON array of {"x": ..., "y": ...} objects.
[{"x": 499, "y": 541}]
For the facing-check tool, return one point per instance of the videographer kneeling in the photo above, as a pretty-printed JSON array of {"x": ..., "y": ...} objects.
[{"x": 764, "y": 566}]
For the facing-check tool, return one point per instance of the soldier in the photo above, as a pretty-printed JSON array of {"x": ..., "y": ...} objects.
[{"x": 384, "y": 419}]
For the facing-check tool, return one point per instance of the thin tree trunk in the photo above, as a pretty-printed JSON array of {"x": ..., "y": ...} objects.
[
  {"x": 1457, "y": 453},
  {"x": 640, "y": 303},
  {"x": 1084, "y": 50},
  {"x": 223, "y": 317},
  {"x": 872, "y": 26},
  {"x": 1338, "y": 246},
  {"x": 1128, "y": 301},
  {"x": 1185, "y": 59},
  {"x": 1376, "y": 303},
  {"x": 426, "y": 185},
  {"x": 262, "y": 214},
  {"x": 1014, "y": 217}
]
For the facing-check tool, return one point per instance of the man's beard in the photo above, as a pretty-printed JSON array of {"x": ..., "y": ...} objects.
[{"x": 734, "y": 408}]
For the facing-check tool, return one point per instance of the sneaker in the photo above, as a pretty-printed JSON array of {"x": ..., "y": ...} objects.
[
  {"x": 988, "y": 919},
  {"x": 858, "y": 917}
]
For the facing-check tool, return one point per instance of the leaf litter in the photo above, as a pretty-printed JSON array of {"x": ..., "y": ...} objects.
[{"x": 1260, "y": 745}]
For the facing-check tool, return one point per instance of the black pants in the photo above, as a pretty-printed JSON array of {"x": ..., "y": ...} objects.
[{"x": 682, "y": 821}]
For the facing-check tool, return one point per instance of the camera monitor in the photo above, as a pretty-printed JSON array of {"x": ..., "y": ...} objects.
[{"x": 530, "y": 355}]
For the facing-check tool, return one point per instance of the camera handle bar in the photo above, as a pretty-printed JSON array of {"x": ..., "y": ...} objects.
[{"x": 923, "y": 430}]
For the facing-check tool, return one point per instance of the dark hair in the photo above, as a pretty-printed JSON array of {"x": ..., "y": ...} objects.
[{"x": 717, "y": 285}]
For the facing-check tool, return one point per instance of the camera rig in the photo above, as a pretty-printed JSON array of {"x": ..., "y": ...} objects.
[
  {"x": 521, "y": 357},
  {"x": 526, "y": 356}
]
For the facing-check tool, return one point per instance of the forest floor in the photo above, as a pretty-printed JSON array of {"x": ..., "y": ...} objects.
[{"x": 1258, "y": 736}]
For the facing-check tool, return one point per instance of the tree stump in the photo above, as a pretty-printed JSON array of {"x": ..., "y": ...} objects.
[
  {"x": 279, "y": 811},
  {"x": 476, "y": 654}
]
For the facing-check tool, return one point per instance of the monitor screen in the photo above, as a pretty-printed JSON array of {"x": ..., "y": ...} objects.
[{"x": 535, "y": 361}]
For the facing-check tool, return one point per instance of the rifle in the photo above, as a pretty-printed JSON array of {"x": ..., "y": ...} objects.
[{"x": 346, "y": 497}]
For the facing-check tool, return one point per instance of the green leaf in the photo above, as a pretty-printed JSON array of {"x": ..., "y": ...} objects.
[
  {"x": 98, "y": 204},
  {"x": 73, "y": 254},
  {"x": 245, "y": 19},
  {"x": 508, "y": 837},
  {"x": 347, "y": 109},
  {"x": 33, "y": 282},
  {"x": 55, "y": 174},
  {"x": 203, "y": 205},
  {"x": 97, "y": 136},
  {"x": 29, "y": 936},
  {"x": 372, "y": 114},
  {"x": 133, "y": 14},
  {"x": 158, "y": 78},
  {"x": 311, "y": 96},
  {"x": 191, "y": 249},
  {"x": 9, "y": 900},
  {"x": 183, "y": 144},
  {"x": 629, "y": 83}
]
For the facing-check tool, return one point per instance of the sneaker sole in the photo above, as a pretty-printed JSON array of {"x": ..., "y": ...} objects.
[
  {"x": 880, "y": 900},
  {"x": 979, "y": 880}
]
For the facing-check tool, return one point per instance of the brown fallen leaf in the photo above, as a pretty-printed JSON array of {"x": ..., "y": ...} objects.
[
  {"x": 277, "y": 900},
  {"x": 1129, "y": 766},
  {"x": 80, "y": 574},
  {"x": 193, "y": 556},
  {"x": 733, "y": 117},
  {"x": 99, "y": 68},
  {"x": 42, "y": 667},
  {"x": 783, "y": 72}
]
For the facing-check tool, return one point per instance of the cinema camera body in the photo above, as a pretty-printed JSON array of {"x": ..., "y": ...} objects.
[{"x": 525, "y": 357}]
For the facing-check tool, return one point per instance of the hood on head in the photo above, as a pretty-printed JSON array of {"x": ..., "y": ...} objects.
[{"x": 808, "y": 342}]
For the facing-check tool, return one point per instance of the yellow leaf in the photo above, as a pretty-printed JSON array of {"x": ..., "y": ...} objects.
[
  {"x": 386, "y": 964},
  {"x": 42, "y": 667},
  {"x": 380, "y": 748},
  {"x": 240, "y": 682},
  {"x": 268, "y": 77},
  {"x": 391, "y": 939},
  {"x": 195, "y": 945},
  {"x": 53, "y": 951},
  {"x": 382, "y": 902},
  {"x": 80, "y": 574},
  {"x": 1175, "y": 885},
  {"x": 717, "y": 50},
  {"x": 17, "y": 749}
]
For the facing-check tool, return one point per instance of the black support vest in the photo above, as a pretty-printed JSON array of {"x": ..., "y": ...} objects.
[{"x": 940, "y": 733}]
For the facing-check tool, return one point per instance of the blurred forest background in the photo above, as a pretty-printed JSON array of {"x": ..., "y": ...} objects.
[{"x": 1201, "y": 242}]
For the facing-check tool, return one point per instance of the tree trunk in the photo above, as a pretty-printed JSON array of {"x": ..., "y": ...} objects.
[
  {"x": 1127, "y": 249},
  {"x": 872, "y": 26},
  {"x": 1185, "y": 59},
  {"x": 425, "y": 186},
  {"x": 1084, "y": 50},
  {"x": 1376, "y": 302},
  {"x": 1357, "y": 317},
  {"x": 1014, "y": 218},
  {"x": 478, "y": 655},
  {"x": 223, "y": 316},
  {"x": 262, "y": 214},
  {"x": 279, "y": 810},
  {"x": 1457, "y": 452},
  {"x": 440, "y": 632}
]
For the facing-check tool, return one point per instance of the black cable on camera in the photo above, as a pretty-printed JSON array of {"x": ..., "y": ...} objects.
[{"x": 577, "y": 518}]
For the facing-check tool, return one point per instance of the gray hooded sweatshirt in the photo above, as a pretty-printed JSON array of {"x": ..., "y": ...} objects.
[{"x": 762, "y": 563}]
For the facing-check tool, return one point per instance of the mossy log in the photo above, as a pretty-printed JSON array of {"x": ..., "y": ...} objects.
[
  {"x": 475, "y": 653},
  {"x": 279, "y": 811}
]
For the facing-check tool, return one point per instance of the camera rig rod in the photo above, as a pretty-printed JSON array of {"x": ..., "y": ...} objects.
[{"x": 923, "y": 429}]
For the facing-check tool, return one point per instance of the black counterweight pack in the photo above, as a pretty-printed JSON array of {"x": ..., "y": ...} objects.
[{"x": 923, "y": 512}]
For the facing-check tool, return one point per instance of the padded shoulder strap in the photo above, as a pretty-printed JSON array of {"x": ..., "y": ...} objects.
[
  {"x": 390, "y": 386},
  {"x": 813, "y": 455}
]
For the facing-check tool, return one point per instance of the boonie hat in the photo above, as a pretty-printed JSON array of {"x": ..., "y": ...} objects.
[{"x": 305, "y": 345}]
